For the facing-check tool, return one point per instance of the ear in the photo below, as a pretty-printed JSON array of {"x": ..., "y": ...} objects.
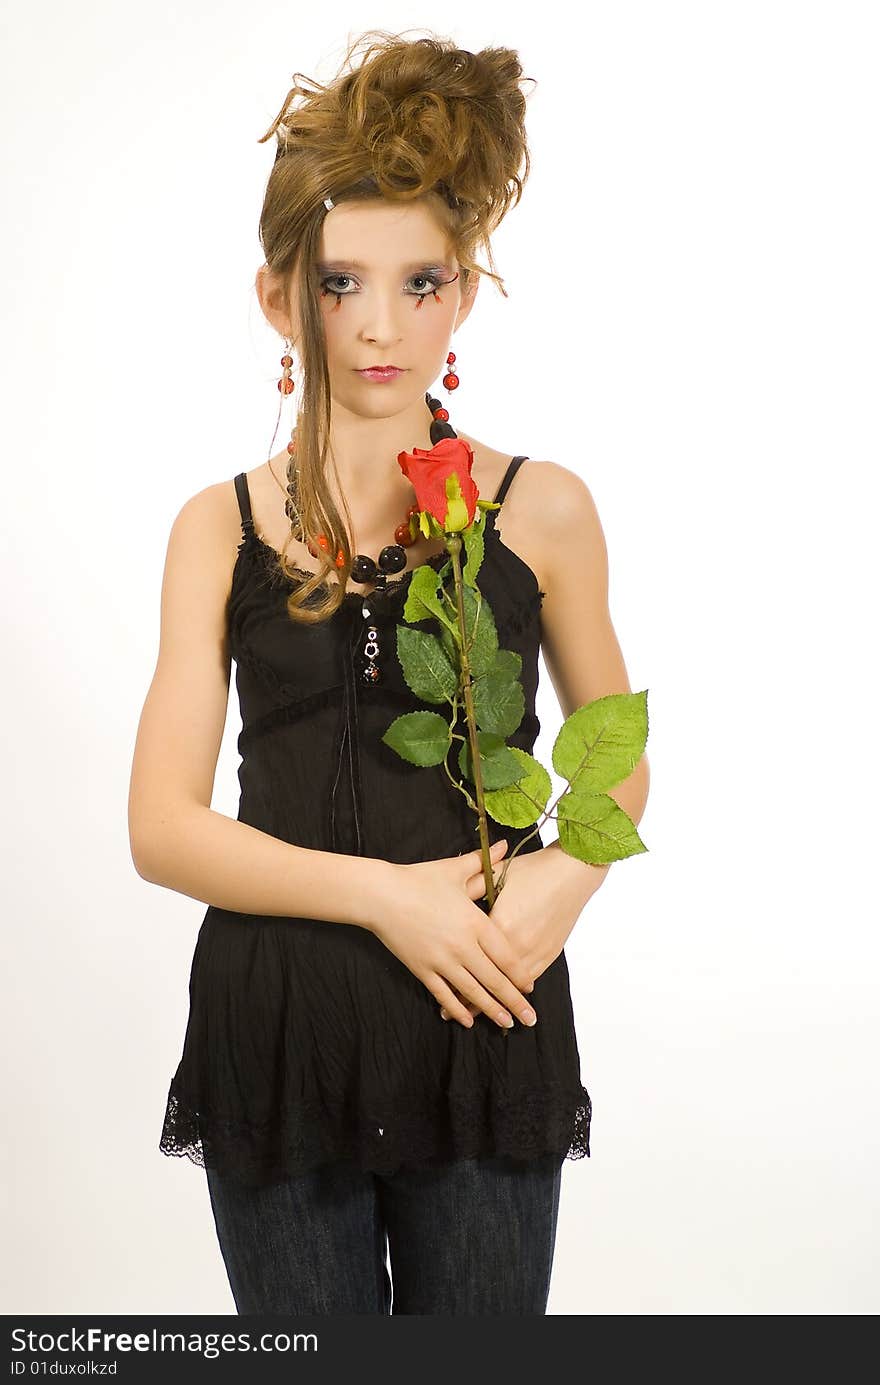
[
  {"x": 272, "y": 292},
  {"x": 467, "y": 300}
]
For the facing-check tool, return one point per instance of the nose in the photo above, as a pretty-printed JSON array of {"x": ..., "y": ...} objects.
[{"x": 381, "y": 322}]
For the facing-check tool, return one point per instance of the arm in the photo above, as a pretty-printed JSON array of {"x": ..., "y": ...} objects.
[
  {"x": 545, "y": 891},
  {"x": 176, "y": 839},
  {"x": 578, "y": 642}
]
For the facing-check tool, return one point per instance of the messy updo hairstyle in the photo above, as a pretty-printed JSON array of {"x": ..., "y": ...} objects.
[{"x": 416, "y": 119}]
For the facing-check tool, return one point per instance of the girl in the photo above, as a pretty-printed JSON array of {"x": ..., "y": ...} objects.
[{"x": 371, "y": 1059}]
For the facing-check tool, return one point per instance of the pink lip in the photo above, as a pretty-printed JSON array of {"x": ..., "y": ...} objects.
[{"x": 381, "y": 373}]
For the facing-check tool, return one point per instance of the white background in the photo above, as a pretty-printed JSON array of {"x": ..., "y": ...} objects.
[{"x": 692, "y": 327}]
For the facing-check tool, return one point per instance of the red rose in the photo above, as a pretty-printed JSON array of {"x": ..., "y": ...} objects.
[{"x": 429, "y": 471}]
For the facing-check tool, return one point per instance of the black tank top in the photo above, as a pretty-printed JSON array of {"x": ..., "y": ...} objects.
[{"x": 309, "y": 1042}]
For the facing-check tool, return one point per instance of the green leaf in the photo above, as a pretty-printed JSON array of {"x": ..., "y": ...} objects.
[
  {"x": 498, "y": 764},
  {"x": 499, "y": 700},
  {"x": 449, "y": 645},
  {"x": 422, "y": 738},
  {"x": 472, "y": 561},
  {"x": 508, "y": 664},
  {"x": 524, "y": 802},
  {"x": 422, "y": 601},
  {"x": 425, "y": 666},
  {"x": 480, "y": 632},
  {"x": 595, "y": 829},
  {"x": 601, "y": 743}
]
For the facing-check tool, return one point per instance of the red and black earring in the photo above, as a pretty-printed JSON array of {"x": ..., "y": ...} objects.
[
  {"x": 286, "y": 386},
  {"x": 450, "y": 379}
]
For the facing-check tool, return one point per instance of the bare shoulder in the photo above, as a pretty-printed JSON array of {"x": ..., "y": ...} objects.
[
  {"x": 201, "y": 554},
  {"x": 557, "y": 495},
  {"x": 565, "y": 520},
  {"x": 547, "y": 515},
  {"x": 205, "y": 534},
  {"x": 213, "y": 509}
]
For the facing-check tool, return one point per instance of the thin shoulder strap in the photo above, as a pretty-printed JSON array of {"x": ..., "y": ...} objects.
[
  {"x": 244, "y": 501},
  {"x": 513, "y": 467}
]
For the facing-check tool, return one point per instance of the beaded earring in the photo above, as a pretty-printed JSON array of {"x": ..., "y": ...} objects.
[
  {"x": 286, "y": 386},
  {"x": 450, "y": 380}
]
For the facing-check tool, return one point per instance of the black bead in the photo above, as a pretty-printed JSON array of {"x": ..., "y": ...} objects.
[
  {"x": 392, "y": 558},
  {"x": 440, "y": 429},
  {"x": 363, "y": 569}
]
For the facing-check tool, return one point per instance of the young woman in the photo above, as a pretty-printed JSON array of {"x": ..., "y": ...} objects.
[{"x": 371, "y": 1058}]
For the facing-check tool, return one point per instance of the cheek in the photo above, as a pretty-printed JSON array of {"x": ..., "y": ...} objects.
[
  {"x": 433, "y": 323},
  {"x": 427, "y": 328}
]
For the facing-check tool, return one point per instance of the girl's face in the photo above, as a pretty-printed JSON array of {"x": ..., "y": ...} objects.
[{"x": 390, "y": 293}]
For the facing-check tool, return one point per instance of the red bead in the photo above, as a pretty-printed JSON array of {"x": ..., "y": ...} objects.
[
  {"x": 403, "y": 536},
  {"x": 287, "y": 361},
  {"x": 412, "y": 510},
  {"x": 285, "y": 385},
  {"x": 443, "y": 415},
  {"x": 450, "y": 359},
  {"x": 340, "y": 559},
  {"x": 291, "y": 448},
  {"x": 450, "y": 382}
]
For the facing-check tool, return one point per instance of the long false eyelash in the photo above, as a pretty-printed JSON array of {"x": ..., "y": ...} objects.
[
  {"x": 429, "y": 293},
  {"x": 433, "y": 292}
]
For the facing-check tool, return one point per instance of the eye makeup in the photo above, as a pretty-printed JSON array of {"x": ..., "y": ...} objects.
[{"x": 434, "y": 274}]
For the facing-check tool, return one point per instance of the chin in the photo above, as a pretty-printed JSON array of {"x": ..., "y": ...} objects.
[{"x": 378, "y": 401}]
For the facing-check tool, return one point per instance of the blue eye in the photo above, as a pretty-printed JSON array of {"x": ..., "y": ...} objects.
[
  {"x": 327, "y": 284},
  {"x": 330, "y": 284},
  {"x": 429, "y": 278}
]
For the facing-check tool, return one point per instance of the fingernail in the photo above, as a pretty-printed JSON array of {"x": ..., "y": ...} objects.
[
  {"x": 443, "y": 1015},
  {"x": 527, "y": 1016}
]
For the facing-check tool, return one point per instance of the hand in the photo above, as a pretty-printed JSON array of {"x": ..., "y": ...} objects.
[
  {"x": 433, "y": 925},
  {"x": 537, "y": 909}
]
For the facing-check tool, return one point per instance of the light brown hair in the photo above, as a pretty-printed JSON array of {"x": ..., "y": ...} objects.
[{"x": 417, "y": 118}]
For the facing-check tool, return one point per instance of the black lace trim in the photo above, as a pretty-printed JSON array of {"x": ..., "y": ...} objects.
[
  {"x": 294, "y": 1141},
  {"x": 269, "y": 562},
  {"x": 269, "y": 567}
]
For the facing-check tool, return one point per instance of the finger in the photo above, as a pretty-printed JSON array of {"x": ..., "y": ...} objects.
[
  {"x": 473, "y": 860},
  {"x": 449, "y": 1000},
  {"x": 468, "y": 1004},
  {"x": 488, "y": 986},
  {"x": 475, "y": 885},
  {"x": 483, "y": 997},
  {"x": 497, "y": 946}
]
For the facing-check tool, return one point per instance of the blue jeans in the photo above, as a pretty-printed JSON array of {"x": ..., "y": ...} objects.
[{"x": 473, "y": 1237}]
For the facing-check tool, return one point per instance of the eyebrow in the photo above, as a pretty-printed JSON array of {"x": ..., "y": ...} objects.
[{"x": 327, "y": 266}]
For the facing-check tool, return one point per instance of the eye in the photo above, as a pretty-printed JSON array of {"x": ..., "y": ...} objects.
[
  {"x": 431, "y": 279},
  {"x": 337, "y": 284},
  {"x": 330, "y": 284}
]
